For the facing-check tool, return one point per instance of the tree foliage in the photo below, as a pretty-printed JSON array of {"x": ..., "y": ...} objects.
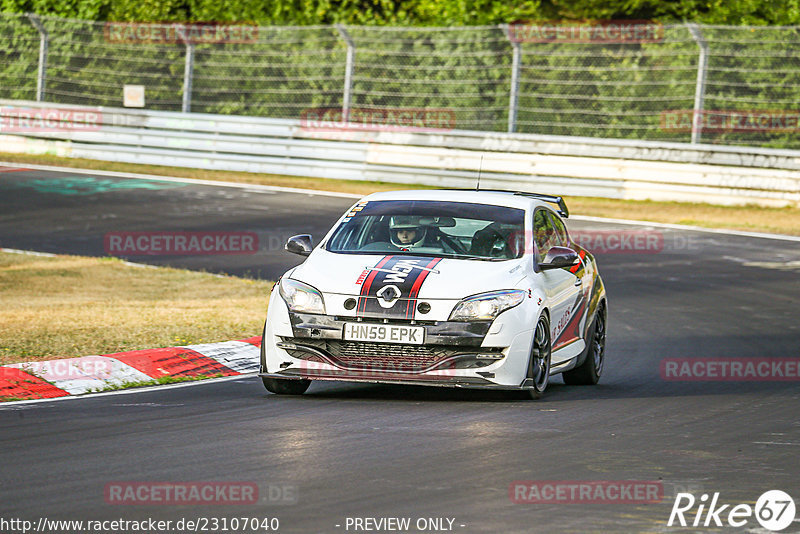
[
  {"x": 415, "y": 12},
  {"x": 596, "y": 89}
]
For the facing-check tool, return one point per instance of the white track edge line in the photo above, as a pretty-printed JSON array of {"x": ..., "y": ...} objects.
[
  {"x": 195, "y": 181},
  {"x": 128, "y": 391},
  {"x": 124, "y": 262},
  {"x": 739, "y": 233},
  {"x": 28, "y": 252},
  {"x": 633, "y": 222}
]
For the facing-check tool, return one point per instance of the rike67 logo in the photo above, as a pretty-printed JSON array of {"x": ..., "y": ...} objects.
[{"x": 774, "y": 510}]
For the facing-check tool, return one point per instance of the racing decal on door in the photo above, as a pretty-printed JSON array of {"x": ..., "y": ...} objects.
[
  {"x": 392, "y": 285},
  {"x": 567, "y": 328}
]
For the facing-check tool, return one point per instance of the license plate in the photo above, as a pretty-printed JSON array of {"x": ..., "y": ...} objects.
[{"x": 384, "y": 333}]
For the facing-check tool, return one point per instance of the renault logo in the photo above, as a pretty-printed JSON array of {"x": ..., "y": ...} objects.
[{"x": 388, "y": 295}]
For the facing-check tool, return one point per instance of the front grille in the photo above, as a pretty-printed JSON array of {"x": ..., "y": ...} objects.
[
  {"x": 391, "y": 320},
  {"x": 382, "y": 356},
  {"x": 362, "y": 355}
]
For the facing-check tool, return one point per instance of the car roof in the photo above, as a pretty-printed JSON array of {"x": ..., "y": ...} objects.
[{"x": 509, "y": 199}]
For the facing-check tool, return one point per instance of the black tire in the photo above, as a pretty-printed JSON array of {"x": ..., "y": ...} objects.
[
  {"x": 286, "y": 386},
  {"x": 589, "y": 372},
  {"x": 539, "y": 362}
]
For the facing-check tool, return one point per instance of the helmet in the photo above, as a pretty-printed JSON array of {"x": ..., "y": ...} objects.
[{"x": 407, "y": 223}]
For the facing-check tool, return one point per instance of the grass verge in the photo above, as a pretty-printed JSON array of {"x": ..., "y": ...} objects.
[
  {"x": 747, "y": 218},
  {"x": 69, "y": 306},
  {"x": 155, "y": 382}
]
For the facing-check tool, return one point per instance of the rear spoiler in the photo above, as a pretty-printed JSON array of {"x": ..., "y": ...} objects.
[{"x": 559, "y": 201}]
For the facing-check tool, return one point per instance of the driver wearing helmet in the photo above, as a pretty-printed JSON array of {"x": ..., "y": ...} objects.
[{"x": 407, "y": 231}]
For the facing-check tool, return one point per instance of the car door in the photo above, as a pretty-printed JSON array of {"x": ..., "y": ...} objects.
[{"x": 563, "y": 288}]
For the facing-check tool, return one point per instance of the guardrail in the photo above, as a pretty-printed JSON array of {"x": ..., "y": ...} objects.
[{"x": 549, "y": 164}]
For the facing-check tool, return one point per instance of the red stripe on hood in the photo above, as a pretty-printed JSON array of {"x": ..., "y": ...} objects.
[
  {"x": 368, "y": 283},
  {"x": 411, "y": 305}
]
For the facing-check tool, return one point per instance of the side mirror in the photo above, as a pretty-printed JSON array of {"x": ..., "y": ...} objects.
[
  {"x": 300, "y": 244},
  {"x": 558, "y": 258}
]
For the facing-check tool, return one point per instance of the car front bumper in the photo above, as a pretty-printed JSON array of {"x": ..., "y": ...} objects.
[
  {"x": 454, "y": 354},
  {"x": 456, "y": 382}
]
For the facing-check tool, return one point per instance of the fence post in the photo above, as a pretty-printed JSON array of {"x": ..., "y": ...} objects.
[
  {"x": 188, "y": 72},
  {"x": 516, "y": 60},
  {"x": 348, "y": 72},
  {"x": 700, "y": 86},
  {"x": 44, "y": 39}
]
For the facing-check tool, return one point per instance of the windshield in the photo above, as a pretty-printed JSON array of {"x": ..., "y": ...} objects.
[{"x": 431, "y": 228}]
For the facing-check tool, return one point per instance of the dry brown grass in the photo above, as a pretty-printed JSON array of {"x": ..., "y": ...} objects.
[
  {"x": 71, "y": 306},
  {"x": 748, "y": 218}
]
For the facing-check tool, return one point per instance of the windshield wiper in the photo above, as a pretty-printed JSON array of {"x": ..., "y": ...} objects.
[
  {"x": 426, "y": 254},
  {"x": 455, "y": 256},
  {"x": 472, "y": 257}
]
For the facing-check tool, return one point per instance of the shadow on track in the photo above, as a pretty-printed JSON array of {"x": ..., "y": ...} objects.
[{"x": 556, "y": 392}]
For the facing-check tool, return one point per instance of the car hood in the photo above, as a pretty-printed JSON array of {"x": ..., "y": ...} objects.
[{"x": 414, "y": 276}]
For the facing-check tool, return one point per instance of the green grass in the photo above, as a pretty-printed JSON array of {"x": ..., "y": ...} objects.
[{"x": 155, "y": 382}]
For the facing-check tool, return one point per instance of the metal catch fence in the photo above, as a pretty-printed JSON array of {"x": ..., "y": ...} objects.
[{"x": 680, "y": 83}]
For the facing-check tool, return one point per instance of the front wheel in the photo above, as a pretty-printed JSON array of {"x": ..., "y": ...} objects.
[
  {"x": 539, "y": 364},
  {"x": 285, "y": 386},
  {"x": 588, "y": 374}
]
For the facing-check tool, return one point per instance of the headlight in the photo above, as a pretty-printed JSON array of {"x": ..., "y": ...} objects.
[
  {"x": 486, "y": 306},
  {"x": 301, "y": 297}
]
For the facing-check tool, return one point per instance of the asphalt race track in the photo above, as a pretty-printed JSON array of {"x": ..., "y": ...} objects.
[
  {"x": 362, "y": 451},
  {"x": 68, "y": 213}
]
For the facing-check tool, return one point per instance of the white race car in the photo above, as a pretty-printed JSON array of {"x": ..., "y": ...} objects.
[{"x": 479, "y": 289}]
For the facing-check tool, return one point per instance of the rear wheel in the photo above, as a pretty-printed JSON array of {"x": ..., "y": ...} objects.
[
  {"x": 588, "y": 374},
  {"x": 539, "y": 364},
  {"x": 286, "y": 386}
]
